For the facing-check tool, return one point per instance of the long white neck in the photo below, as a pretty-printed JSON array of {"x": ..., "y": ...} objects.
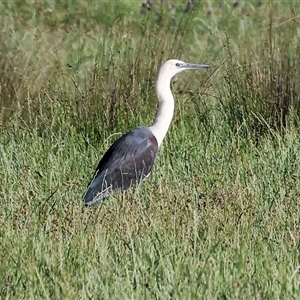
[{"x": 166, "y": 107}]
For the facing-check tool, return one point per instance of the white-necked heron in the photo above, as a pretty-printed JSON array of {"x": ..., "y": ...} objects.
[{"x": 130, "y": 158}]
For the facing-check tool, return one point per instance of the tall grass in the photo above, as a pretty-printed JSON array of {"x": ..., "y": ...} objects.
[{"x": 217, "y": 219}]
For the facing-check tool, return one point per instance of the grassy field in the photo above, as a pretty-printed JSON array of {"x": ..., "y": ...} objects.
[{"x": 219, "y": 216}]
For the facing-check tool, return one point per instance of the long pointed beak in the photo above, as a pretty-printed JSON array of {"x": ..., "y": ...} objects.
[{"x": 194, "y": 66}]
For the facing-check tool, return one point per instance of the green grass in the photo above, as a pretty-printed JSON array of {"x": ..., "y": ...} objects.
[{"x": 219, "y": 216}]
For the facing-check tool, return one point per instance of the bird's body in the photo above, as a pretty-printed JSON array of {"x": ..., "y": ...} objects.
[{"x": 130, "y": 159}]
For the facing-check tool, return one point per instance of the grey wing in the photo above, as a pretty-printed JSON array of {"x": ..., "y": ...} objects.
[{"x": 128, "y": 161}]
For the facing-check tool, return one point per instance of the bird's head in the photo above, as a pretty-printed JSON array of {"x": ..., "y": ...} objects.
[{"x": 174, "y": 66}]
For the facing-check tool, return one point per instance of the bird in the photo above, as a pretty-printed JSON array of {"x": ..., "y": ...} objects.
[{"x": 130, "y": 158}]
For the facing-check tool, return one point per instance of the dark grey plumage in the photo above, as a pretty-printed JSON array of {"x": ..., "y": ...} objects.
[{"x": 128, "y": 161}]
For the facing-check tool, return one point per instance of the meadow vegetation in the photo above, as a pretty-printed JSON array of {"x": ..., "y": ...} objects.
[{"x": 219, "y": 216}]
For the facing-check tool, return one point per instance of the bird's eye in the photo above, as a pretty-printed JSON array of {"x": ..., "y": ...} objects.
[{"x": 177, "y": 64}]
